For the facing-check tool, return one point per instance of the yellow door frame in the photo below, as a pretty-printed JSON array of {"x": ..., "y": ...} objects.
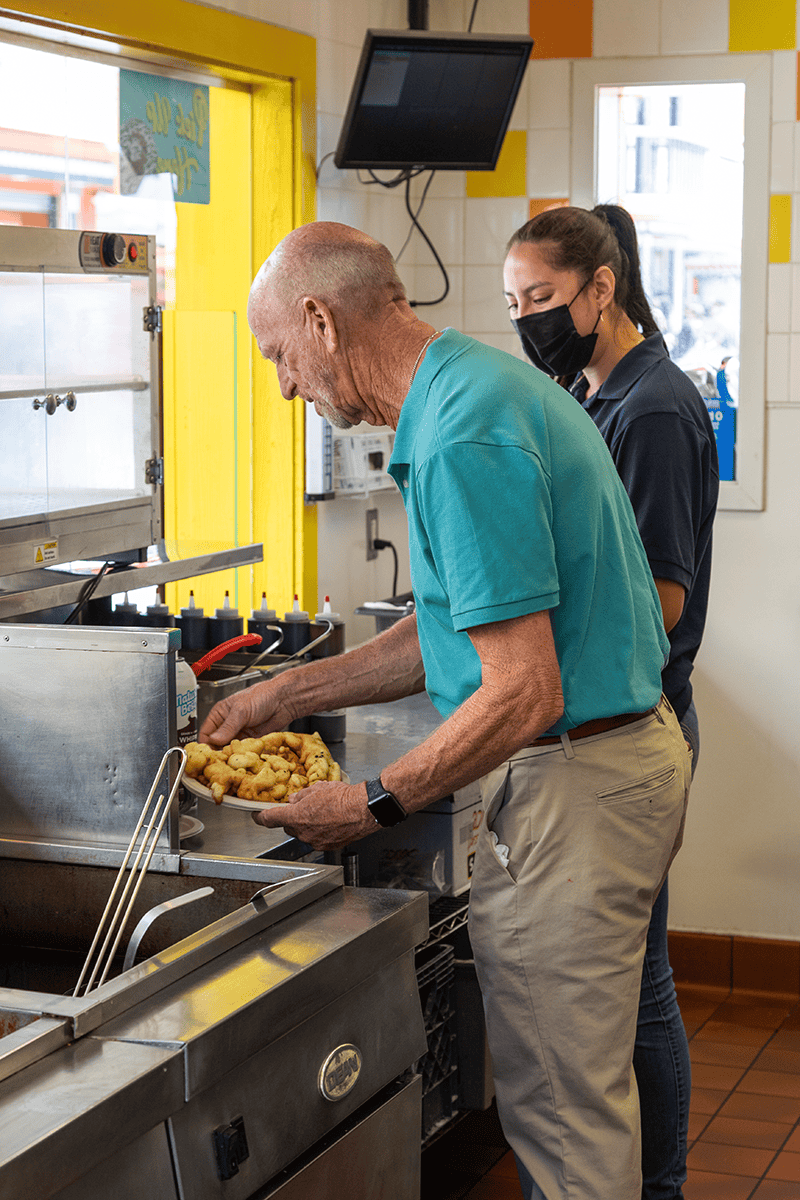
[{"x": 251, "y": 53}]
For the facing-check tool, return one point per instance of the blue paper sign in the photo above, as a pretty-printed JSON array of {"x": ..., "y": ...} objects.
[
  {"x": 722, "y": 411},
  {"x": 163, "y": 128}
]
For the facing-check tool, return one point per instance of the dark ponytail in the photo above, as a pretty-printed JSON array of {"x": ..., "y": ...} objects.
[
  {"x": 574, "y": 239},
  {"x": 635, "y": 304}
]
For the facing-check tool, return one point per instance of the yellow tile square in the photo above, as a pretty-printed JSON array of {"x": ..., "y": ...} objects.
[
  {"x": 767, "y": 27},
  {"x": 780, "y": 229},
  {"x": 508, "y": 177}
]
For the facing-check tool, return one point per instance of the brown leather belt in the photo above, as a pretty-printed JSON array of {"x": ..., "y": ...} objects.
[{"x": 590, "y": 728}]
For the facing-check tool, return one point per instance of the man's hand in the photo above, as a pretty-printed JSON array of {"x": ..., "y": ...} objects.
[
  {"x": 326, "y": 815},
  {"x": 252, "y": 712}
]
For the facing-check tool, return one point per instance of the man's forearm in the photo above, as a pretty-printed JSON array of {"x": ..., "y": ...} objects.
[
  {"x": 386, "y": 668},
  {"x": 479, "y": 735}
]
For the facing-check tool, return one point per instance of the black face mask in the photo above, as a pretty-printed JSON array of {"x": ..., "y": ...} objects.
[{"x": 552, "y": 342}]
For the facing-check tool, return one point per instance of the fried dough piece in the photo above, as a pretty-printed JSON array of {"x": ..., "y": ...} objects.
[
  {"x": 245, "y": 761},
  {"x": 222, "y": 779},
  {"x": 271, "y": 782},
  {"x": 246, "y": 746},
  {"x": 198, "y": 756}
]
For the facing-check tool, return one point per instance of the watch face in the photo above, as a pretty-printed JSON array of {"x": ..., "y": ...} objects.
[{"x": 385, "y": 808}]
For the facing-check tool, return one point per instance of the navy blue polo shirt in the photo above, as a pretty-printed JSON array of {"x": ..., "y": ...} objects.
[{"x": 658, "y": 430}]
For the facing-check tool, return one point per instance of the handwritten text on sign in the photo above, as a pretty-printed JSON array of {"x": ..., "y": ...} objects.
[{"x": 164, "y": 128}]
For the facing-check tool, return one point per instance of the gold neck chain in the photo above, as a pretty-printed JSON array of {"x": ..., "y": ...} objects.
[{"x": 425, "y": 345}]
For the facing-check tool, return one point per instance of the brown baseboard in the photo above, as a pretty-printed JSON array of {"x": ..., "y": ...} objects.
[{"x": 742, "y": 963}]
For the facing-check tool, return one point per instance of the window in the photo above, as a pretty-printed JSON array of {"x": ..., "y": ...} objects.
[{"x": 683, "y": 146}]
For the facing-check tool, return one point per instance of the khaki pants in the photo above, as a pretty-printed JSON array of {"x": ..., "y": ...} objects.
[{"x": 558, "y": 928}]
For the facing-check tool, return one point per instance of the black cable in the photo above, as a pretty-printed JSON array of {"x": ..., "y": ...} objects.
[
  {"x": 323, "y": 160},
  {"x": 86, "y": 593},
  {"x": 472, "y": 17},
  {"x": 397, "y": 257},
  {"x": 412, "y": 214},
  {"x": 383, "y": 544},
  {"x": 395, "y": 181}
]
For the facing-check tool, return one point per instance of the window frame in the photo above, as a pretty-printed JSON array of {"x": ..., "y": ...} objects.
[{"x": 746, "y": 492}]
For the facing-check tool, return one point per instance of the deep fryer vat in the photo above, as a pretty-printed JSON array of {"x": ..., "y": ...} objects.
[{"x": 49, "y": 912}]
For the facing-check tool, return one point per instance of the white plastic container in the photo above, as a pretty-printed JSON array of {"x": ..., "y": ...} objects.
[{"x": 185, "y": 702}]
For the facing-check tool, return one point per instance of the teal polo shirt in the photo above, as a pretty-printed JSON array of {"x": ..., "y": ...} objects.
[{"x": 514, "y": 506}]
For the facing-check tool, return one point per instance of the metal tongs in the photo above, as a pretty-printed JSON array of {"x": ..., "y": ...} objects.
[{"x": 152, "y": 832}]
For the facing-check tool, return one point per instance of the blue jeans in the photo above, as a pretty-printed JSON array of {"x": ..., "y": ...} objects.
[{"x": 661, "y": 1054}]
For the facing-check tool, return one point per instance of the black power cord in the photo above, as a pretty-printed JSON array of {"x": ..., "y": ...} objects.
[
  {"x": 440, "y": 264},
  {"x": 383, "y": 544},
  {"x": 86, "y": 593}
]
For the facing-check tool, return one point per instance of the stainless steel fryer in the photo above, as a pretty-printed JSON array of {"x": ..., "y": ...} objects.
[{"x": 262, "y": 1048}]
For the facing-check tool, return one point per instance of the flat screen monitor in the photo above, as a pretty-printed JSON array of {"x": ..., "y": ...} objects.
[{"x": 434, "y": 100}]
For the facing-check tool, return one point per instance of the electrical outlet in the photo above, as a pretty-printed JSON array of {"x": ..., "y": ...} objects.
[{"x": 372, "y": 533}]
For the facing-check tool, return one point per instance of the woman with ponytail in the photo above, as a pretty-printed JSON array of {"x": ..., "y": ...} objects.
[{"x": 574, "y": 289}]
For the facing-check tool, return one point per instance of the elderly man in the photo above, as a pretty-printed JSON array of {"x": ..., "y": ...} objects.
[{"x": 538, "y": 636}]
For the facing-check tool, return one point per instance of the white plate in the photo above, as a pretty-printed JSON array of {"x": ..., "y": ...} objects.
[
  {"x": 189, "y": 826},
  {"x": 199, "y": 789}
]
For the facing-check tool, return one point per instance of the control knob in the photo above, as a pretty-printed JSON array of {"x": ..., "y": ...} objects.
[{"x": 112, "y": 249}]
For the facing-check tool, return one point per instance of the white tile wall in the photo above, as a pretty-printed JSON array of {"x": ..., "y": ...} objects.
[
  {"x": 692, "y": 27},
  {"x": 625, "y": 27},
  {"x": 350, "y": 208},
  {"x": 448, "y": 15},
  {"x": 549, "y": 82},
  {"x": 784, "y": 85},
  {"x": 497, "y": 16},
  {"x": 485, "y": 308},
  {"x": 428, "y": 285},
  {"x": 445, "y": 183},
  {"x": 340, "y": 22},
  {"x": 795, "y": 304},
  {"x": 795, "y": 228},
  {"x": 504, "y": 341},
  {"x": 304, "y": 16},
  {"x": 548, "y": 162},
  {"x": 796, "y": 185},
  {"x": 336, "y": 68},
  {"x": 443, "y": 221},
  {"x": 388, "y": 222},
  {"x": 794, "y": 371},
  {"x": 489, "y": 225},
  {"x": 779, "y": 306},
  {"x": 383, "y": 14},
  {"x": 778, "y": 346},
  {"x": 519, "y": 114},
  {"x": 782, "y": 172}
]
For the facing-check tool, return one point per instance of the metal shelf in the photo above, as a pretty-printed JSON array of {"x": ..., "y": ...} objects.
[
  {"x": 34, "y": 591},
  {"x": 445, "y": 916}
]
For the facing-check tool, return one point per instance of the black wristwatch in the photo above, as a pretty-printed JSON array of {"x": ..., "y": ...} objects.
[{"x": 385, "y": 808}]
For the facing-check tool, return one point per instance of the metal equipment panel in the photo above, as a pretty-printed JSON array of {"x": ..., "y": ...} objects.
[
  {"x": 52, "y": 1128},
  {"x": 142, "y": 1169},
  {"x": 103, "y": 702},
  {"x": 279, "y": 1094},
  {"x": 348, "y": 1166}
]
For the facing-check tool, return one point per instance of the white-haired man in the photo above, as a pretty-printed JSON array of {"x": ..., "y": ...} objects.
[{"x": 538, "y": 636}]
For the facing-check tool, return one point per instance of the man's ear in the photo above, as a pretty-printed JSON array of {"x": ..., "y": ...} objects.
[{"x": 318, "y": 319}]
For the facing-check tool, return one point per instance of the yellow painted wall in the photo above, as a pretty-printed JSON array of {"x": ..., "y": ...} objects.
[{"x": 208, "y": 446}]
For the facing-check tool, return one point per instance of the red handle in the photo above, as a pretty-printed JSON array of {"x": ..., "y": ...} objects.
[{"x": 245, "y": 639}]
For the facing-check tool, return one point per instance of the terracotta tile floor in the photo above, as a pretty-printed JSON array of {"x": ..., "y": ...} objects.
[{"x": 745, "y": 1117}]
